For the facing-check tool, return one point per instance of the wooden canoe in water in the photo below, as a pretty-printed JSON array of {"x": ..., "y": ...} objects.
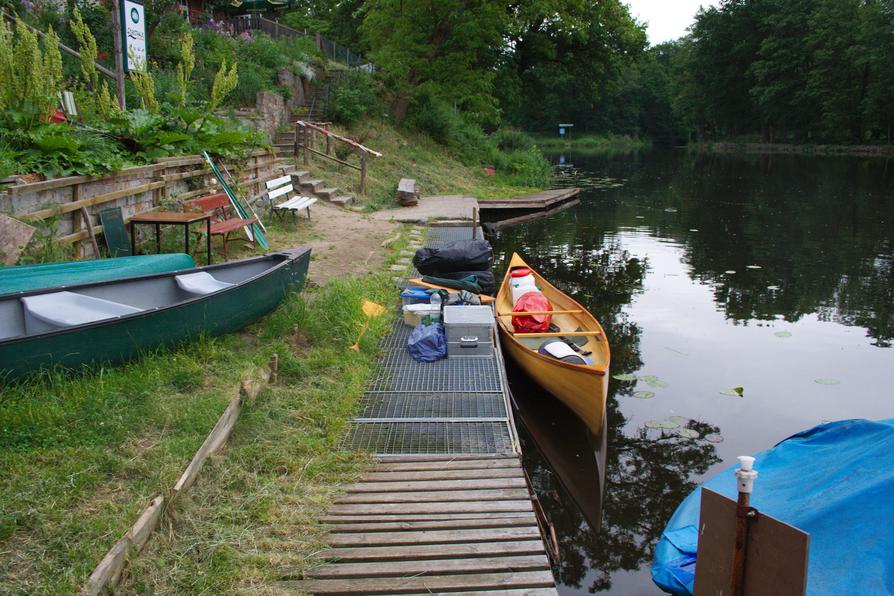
[
  {"x": 581, "y": 387},
  {"x": 116, "y": 320}
]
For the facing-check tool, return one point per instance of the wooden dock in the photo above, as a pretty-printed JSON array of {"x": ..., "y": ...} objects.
[
  {"x": 447, "y": 509},
  {"x": 547, "y": 199}
]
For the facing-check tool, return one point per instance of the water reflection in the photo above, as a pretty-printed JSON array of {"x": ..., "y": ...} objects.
[{"x": 694, "y": 264}]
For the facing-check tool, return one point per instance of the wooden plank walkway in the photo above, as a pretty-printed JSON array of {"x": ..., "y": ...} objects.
[
  {"x": 545, "y": 199},
  {"x": 447, "y": 509},
  {"x": 434, "y": 525}
]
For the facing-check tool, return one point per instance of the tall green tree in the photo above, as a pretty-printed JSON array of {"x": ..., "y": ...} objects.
[
  {"x": 562, "y": 57},
  {"x": 838, "y": 78},
  {"x": 436, "y": 48},
  {"x": 878, "y": 58},
  {"x": 781, "y": 68}
]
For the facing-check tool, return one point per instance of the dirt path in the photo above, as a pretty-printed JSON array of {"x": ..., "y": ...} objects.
[{"x": 343, "y": 242}]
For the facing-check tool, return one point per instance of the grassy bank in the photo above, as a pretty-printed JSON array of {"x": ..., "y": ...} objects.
[
  {"x": 589, "y": 143},
  {"x": 80, "y": 457},
  {"x": 408, "y": 154}
]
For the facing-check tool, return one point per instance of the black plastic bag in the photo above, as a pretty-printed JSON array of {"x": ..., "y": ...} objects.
[{"x": 463, "y": 255}]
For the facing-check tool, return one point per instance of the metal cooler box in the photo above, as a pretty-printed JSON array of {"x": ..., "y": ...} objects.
[{"x": 470, "y": 330}]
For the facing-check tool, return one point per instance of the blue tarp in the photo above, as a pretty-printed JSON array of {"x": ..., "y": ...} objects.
[
  {"x": 50, "y": 275},
  {"x": 834, "y": 481}
]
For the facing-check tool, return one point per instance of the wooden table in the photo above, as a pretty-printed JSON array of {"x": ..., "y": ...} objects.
[{"x": 160, "y": 218}]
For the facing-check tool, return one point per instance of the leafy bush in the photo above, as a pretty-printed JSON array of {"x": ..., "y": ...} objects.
[
  {"x": 448, "y": 126},
  {"x": 61, "y": 150},
  {"x": 353, "y": 98},
  {"x": 510, "y": 139},
  {"x": 524, "y": 167}
]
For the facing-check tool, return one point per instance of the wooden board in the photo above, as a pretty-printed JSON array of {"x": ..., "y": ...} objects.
[
  {"x": 14, "y": 237},
  {"x": 441, "y": 495},
  {"x": 431, "y": 507},
  {"x": 434, "y": 524},
  {"x": 434, "y": 551},
  {"x": 434, "y": 536},
  {"x": 397, "y": 476},
  {"x": 438, "y": 485},
  {"x": 425, "y": 566},
  {"x": 392, "y": 585},
  {"x": 417, "y": 281},
  {"x": 775, "y": 560},
  {"x": 472, "y": 464},
  {"x": 344, "y": 519}
]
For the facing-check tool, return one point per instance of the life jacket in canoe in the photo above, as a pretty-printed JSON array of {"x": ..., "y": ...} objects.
[{"x": 533, "y": 301}]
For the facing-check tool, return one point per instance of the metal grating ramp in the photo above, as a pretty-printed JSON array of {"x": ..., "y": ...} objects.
[
  {"x": 448, "y": 406},
  {"x": 455, "y": 406},
  {"x": 431, "y": 438}
]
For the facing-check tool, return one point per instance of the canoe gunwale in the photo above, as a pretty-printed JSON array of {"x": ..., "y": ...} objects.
[
  {"x": 509, "y": 334},
  {"x": 288, "y": 257}
]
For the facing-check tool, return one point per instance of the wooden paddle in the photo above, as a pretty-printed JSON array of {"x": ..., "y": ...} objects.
[{"x": 484, "y": 298}]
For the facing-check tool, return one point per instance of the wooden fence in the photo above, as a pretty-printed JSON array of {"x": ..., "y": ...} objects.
[{"x": 136, "y": 190}]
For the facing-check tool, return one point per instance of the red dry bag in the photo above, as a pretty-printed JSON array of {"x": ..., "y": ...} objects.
[{"x": 532, "y": 302}]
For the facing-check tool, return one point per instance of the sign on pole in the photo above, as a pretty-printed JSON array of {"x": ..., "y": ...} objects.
[{"x": 133, "y": 33}]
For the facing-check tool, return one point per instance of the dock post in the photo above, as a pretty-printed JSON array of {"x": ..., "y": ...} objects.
[
  {"x": 362, "y": 172},
  {"x": 744, "y": 513}
]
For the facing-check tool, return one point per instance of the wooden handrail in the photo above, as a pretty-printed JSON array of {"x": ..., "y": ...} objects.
[{"x": 329, "y": 133}]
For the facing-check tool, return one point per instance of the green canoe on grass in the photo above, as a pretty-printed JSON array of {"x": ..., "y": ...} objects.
[
  {"x": 114, "y": 321},
  {"x": 20, "y": 278}
]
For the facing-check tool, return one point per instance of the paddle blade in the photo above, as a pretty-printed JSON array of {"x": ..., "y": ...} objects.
[{"x": 371, "y": 309}]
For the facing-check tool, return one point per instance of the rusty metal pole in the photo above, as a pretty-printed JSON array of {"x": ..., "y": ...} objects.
[{"x": 744, "y": 514}]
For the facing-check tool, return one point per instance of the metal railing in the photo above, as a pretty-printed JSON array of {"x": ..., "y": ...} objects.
[{"x": 255, "y": 22}]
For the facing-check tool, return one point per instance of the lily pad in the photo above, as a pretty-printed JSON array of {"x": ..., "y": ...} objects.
[
  {"x": 643, "y": 395},
  {"x": 773, "y": 288},
  {"x": 753, "y": 267},
  {"x": 625, "y": 377},
  {"x": 653, "y": 424},
  {"x": 693, "y": 229},
  {"x": 669, "y": 424},
  {"x": 678, "y": 419},
  {"x": 657, "y": 383},
  {"x": 647, "y": 378},
  {"x": 730, "y": 271},
  {"x": 714, "y": 438},
  {"x": 827, "y": 381},
  {"x": 782, "y": 334},
  {"x": 640, "y": 217},
  {"x": 688, "y": 433},
  {"x": 734, "y": 391},
  {"x": 671, "y": 210}
]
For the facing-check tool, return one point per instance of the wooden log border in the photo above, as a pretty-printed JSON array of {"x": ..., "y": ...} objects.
[{"x": 107, "y": 575}]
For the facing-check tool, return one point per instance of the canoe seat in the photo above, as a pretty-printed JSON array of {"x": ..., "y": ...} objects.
[
  {"x": 562, "y": 351},
  {"x": 200, "y": 283},
  {"x": 48, "y": 312}
]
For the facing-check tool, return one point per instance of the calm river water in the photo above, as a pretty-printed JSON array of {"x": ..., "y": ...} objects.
[{"x": 709, "y": 272}]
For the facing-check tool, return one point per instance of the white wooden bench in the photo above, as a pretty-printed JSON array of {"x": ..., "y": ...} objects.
[{"x": 282, "y": 187}]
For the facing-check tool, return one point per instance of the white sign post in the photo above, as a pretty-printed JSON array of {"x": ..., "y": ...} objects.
[{"x": 133, "y": 32}]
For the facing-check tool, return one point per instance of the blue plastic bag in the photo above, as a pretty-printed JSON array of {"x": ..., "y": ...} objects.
[{"x": 427, "y": 343}]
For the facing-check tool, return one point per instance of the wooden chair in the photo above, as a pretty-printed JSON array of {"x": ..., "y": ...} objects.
[
  {"x": 222, "y": 224},
  {"x": 282, "y": 187},
  {"x": 114, "y": 232}
]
